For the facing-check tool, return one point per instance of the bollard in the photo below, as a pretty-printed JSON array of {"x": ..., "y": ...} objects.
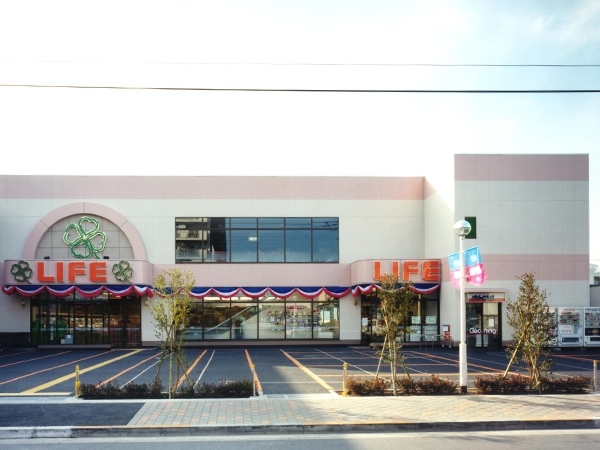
[
  {"x": 595, "y": 375},
  {"x": 344, "y": 390},
  {"x": 253, "y": 381},
  {"x": 77, "y": 383}
]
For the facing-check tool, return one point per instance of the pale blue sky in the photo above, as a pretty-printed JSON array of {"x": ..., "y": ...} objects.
[{"x": 279, "y": 44}]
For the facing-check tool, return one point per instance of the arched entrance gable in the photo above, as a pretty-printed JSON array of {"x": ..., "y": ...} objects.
[{"x": 34, "y": 238}]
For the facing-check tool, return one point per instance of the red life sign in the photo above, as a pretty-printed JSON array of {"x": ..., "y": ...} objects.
[
  {"x": 94, "y": 271},
  {"x": 412, "y": 270}
]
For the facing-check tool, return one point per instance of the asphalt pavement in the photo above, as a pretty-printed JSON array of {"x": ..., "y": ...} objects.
[{"x": 298, "y": 392}]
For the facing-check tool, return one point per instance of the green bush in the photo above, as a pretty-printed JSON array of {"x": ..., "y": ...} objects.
[
  {"x": 225, "y": 389},
  {"x": 111, "y": 390},
  {"x": 369, "y": 387},
  {"x": 434, "y": 385},
  {"x": 430, "y": 385},
  {"x": 573, "y": 385},
  {"x": 106, "y": 391},
  {"x": 406, "y": 385},
  {"x": 497, "y": 384}
]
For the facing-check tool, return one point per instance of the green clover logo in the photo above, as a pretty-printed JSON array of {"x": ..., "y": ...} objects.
[
  {"x": 21, "y": 271},
  {"x": 85, "y": 238},
  {"x": 122, "y": 271}
]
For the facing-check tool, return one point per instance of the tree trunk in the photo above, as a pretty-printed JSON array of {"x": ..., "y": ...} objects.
[{"x": 381, "y": 356}]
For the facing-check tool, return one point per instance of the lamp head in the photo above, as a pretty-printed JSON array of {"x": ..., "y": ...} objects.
[{"x": 462, "y": 228}]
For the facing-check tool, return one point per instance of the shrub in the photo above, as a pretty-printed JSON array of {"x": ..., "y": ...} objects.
[
  {"x": 497, "y": 384},
  {"x": 111, "y": 390},
  {"x": 406, "y": 385},
  {"x": 225, "y": 389},
  {"x": 108, "y": 390},
  {"x": 373, "y": 386},
  {"x": 574, "y": 385},
  {"x": 434, "y": 385}
]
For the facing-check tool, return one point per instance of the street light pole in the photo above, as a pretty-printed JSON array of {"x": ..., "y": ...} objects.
[{"x": 462, "y": 228}]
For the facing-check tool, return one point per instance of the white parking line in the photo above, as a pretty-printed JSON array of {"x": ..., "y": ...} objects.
[{"x": 206, "y": 366}]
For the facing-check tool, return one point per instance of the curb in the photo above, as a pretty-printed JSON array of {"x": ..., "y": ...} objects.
[{"x": 158, "y": 431}]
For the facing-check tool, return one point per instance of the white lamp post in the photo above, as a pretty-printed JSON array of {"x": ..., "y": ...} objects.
[{"x": 461, "y": 229}]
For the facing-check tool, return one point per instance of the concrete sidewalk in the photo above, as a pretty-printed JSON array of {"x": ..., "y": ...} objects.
[{"x": 334, "y": 414}]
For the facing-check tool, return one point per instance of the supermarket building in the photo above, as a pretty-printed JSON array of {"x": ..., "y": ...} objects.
[{"x": 288, "y": 260}]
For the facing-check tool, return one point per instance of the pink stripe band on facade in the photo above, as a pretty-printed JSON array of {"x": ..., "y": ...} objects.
[
  {"x": 521, "y": 167},
  {"x": 211, "y": 188},
  {"x": 546, "y": 267}
]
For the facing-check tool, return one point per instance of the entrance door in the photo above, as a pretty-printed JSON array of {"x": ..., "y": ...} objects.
[
  {"x": 483, "y": 325},
  {"x": 370, "y": 320},
  {"x": 124, "y": 322}
]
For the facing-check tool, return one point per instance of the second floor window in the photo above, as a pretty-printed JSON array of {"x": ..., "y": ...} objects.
[{"x": 256, "y": 240}]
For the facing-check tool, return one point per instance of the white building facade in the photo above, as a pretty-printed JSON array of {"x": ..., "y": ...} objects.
[{"x": 288, "y": 260}]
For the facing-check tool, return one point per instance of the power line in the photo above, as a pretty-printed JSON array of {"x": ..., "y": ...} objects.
[
  {"x": 357, "y": 91},
  {"x": 300, "y": 64}
]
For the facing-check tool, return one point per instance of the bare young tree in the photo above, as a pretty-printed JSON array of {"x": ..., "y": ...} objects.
[
  {"x": 169, "y": 309},
  {"x": 396, "y": 304},
  {"x": 533, "y": 325}
]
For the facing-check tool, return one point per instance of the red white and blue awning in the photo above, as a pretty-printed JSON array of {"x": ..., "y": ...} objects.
[
  {"x": 420, "y": 288},
  {"x": 87, "y": 291},
  {"x": 282, "y": 292}
]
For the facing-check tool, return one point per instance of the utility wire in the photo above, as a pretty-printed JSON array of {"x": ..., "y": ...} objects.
[
  {"x": 359, "y": 91},
  {"x": 310, "y": 64}
]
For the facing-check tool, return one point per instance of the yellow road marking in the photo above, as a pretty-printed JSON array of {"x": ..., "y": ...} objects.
[
  {"x": 53, "y": 367},
  {"x": 187, "y": 373},
  {"x": 258, "y": 386},
  {"x": 34, "y": 359},
  {"x": 68, "y": 377},
  {"x": 308, "y": 372}
]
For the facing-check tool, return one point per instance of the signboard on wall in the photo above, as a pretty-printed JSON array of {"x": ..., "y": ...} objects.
[
  {"x": 415, "y": 270},
  {"x": 73, "y": 272},
  {"x": 487, "y": 297}
]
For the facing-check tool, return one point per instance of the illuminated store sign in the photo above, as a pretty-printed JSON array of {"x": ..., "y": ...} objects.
[
  {"x": 74, "y": 272},
  {"x": 415, "y": 270}
]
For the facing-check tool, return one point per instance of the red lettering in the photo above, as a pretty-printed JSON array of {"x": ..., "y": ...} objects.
[
  {"x": 396, "y": 268},
  {"x": 98, "y": 272},
  {"x": 60, "y": 272},
  {"x": 431, "y": 271},
  {"x": 409, "y": 267},
  {"x": 41, "y": 269},
  {"x": 76, "y": 268},
  {"x": 376, "y": 270}
]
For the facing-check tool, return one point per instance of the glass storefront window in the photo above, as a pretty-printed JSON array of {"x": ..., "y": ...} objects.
[
  {"x": 271, "y": 318},
  {"x": 78, "y": 320},
  {"x": 217, "y": 323},
  {"x": 267, "y": 318},
  {"x": 326, "y": 320},
  {"x": 420, "y": 325},
  {"x": 252, "y": 239},
  {"x": 298, "y": 320},
  {"x": 244, "y": 319}
]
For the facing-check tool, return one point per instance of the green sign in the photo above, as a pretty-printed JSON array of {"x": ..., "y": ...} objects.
[
  {"x": 87, "y": 243},
  {"x": 122, "y": 271},
  {"x": 21, "y": 271}
]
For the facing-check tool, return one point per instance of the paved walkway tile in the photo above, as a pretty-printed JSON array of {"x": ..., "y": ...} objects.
[{"x": 367, "y": 410}]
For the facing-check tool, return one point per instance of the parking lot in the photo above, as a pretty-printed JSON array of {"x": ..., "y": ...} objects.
[{"x": 279, "y": 371}]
